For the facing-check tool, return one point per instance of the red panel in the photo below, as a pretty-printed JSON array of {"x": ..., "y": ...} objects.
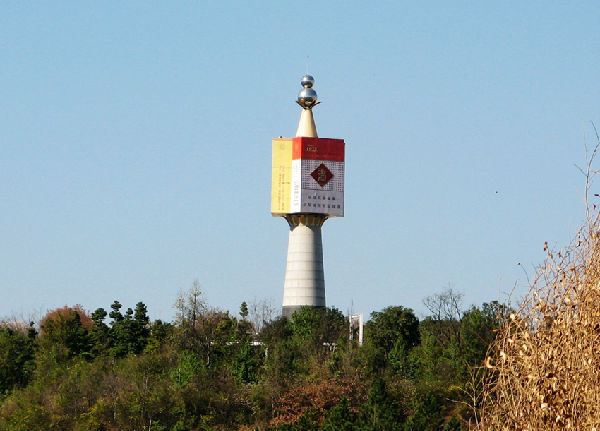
[
  {"x": 318, "y": 149},
  {"x": 322, "y": 175}
]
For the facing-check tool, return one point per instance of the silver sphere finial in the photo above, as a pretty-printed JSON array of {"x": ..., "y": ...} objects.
[
  {"x": 307, "y": 98},
  {"x": 307, "y": 81}
]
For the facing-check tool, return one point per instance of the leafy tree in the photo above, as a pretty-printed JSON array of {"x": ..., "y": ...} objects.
[
  {"x": 427, "y": 412},
  {"x": 75, "y": 390},
  {"x": 306, "y": 422},
  {"x": 399, "y": 359},
  {"x": 453, "y": 425},
  {"x": 24, "y": 413},
  {"x": 188, "y": 366},
  {"x": 439, "y": 356},
  {"x": 477, "y": 330},
  {"x": 392, "y": 324},
  {"x": 247, "y": 363},
  {"x": 16, "y": 357},
  {"x": 390, "y": 335},
  {"x": 341, "y": 418},
  {"x": 216, "y": 331},
  {"x": 276, "y": 331},
  {"x": 318, "y": 326},
  {"x": 283, "y": 353},
  {"x": 160, "y": 333},
  {"x": 380, "y": 413},
  {"x": 64, "y": 332}
]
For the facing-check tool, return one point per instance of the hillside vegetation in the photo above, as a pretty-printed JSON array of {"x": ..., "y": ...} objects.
[{"x": 208, "y": 370}]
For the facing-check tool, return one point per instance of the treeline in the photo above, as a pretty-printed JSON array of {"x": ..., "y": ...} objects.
[{"x": 209, "y": 370}]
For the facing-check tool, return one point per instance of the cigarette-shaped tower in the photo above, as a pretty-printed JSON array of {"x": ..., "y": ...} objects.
[{"x": 307, "y": 188}]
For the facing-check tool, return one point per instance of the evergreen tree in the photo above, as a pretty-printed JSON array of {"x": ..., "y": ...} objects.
[
  {"x": 115, "y": 314},
  {"x": 244, "y": 310},
  {"x": 129, "y": 333},
  {"x": 118, "y": 331},
  {"x": 140, "y": 330},
  {"x": 99, "y": 334}
]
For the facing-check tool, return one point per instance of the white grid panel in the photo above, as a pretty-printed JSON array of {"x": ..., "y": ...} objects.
[{"x": 336, "y": 184}]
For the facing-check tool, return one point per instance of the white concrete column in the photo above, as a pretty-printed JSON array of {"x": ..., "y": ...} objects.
[
  {"x": 304, "y": 283},
  {"x": 306, "y": 125}
]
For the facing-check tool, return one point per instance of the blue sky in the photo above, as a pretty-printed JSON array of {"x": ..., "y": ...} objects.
[{"x": 135, "y": 146}]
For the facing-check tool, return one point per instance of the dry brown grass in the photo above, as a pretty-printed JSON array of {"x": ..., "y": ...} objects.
[{"x": 543, "y": 370}]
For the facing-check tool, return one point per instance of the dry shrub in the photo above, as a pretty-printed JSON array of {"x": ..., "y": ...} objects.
[
  {"x": 544, "y": 367},
  {"x": 317, "y": 397},
  {"x": 65, "y": 313}
]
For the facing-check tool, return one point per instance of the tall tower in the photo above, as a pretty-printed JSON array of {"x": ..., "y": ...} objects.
[{"x": 307, "y": 189}]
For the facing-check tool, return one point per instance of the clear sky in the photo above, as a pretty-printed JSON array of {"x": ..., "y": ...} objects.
[{"x": 135, "y": 143}]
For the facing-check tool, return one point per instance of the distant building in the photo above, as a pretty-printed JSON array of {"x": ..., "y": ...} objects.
[{"x": 356, "y": 327}]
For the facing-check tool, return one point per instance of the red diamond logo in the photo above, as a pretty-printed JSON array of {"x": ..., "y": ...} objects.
[{"x": 322, "y": 175}]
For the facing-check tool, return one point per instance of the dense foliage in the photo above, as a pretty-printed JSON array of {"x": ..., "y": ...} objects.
[{"x": 208, "y": 370}]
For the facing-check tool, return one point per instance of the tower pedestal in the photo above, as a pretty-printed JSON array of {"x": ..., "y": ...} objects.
[{"x": 304, "y": 277}]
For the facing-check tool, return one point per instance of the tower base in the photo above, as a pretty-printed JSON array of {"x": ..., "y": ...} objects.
[{"x": 304, "y": 276}]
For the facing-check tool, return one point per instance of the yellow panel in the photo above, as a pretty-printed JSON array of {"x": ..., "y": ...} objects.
[{"x": 281, "y": 180}]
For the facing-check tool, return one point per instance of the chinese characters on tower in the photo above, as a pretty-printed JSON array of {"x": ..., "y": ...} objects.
[{"x": 308, "y": 176}]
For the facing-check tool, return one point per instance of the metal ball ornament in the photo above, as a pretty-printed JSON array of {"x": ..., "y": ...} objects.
[
  {"x": 307, "y": 81},
  {"x": 307, "y": 98}
]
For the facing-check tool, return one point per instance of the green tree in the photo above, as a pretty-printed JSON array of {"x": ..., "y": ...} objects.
[
  {"x": 140, "y": 330},
  {"x": 160, "y": 334},
  {"x": 217, "y": 331},
  {"x": 99, "y": 333},
  {"x": 276, "y": 331},
  {"x": 380, "y": 413},
  {"x": 341, "y": 418},
  {"x": 244, "y": 310},
  {"x": 16, "y": 357},
  {"x": 453, "y": 425},
  {"x": 64, "y": 332},
  {"x": 390, "y": 335},
  {"x": 427, "y": 412},
  {"x": 386, "y": 327},
  {"x": 129, "y": 333},
  {"x": 118, "y": 331},
  {"x": 478, "y": 329},
  {"x": 318, "y": 326},
  {"x": 248, "y": 361},
  {"x": 116, "y": 314}
]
